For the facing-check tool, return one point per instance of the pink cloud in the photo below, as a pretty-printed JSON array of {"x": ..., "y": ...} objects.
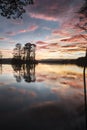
[
  {"x": 73, "y": 83},
  {"x": 53, "y": 44},
  {"x": 61, "y": 33},
  {"x": 53, "y": 47},
  {"x": 23, "y": 31},
  {"x": 70, "y": 45},
  {"x": 76, "y": 38},
  {"x": 3, "y": 38},
  {"x": 29, "y": 29},
  {"x": 44, "y": 45},
  {"x": 43, "y": 17},
  {"x": 12, "y": 42},
  {"x": 41, "y": 45},
  {"x": 33, "y": 27},
  {"x": 57, "y": 11},
  {"x": 41, "y": 42}
]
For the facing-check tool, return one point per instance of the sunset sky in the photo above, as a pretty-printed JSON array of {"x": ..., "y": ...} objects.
[{"x": 50, "y": 24}]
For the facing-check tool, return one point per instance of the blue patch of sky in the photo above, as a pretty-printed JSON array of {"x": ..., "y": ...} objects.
[
  {"x": 6, "y": 45},
  {"x": 38, "y": 34},
  {"x": 40, "y": 22}
]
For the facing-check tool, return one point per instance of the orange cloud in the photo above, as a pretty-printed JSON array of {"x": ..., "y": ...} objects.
[{"x": 7, "y": 53}]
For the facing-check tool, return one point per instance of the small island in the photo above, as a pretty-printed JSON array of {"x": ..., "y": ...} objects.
[{"x": 21, "y": 55}]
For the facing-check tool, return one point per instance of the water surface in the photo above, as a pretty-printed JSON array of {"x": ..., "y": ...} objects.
[{"x": 42, "y": 97}]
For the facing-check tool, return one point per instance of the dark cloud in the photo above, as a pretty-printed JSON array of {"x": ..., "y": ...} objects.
[{"x": 10, "y": 33}]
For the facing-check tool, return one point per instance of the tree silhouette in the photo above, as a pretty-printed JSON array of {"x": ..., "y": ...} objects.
[
  {"x": 29, "y": 51},
  {"x": 83, "y": 16},
  {"x": 25, "y": 53},
  {"x": 28, "y": 48},
  {"x": 32, "y": 51},
  {"x": 13, "y": 8},
  {"x": 17, "y": 51},
  {"x": 0, "y": 55}
]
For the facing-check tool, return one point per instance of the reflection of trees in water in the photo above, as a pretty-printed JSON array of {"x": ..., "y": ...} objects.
[
  {"x": 25, "y": 71},
  {"x": 29, "y": 72},
  {"x": 0, "y": 68},
  {"x": 17, "y": 72}
]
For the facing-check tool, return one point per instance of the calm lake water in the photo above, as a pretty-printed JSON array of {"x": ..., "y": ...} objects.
[{"x": 42, "y": 97}]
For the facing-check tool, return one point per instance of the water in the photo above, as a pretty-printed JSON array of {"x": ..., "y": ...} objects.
[{"x": 42, "y": 97}]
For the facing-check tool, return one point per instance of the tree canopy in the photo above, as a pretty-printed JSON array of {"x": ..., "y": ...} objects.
[
  {"x": 83, "y": 16},
  {"x": 13, "y": 8},
  {"x": 83, "y": 9}
]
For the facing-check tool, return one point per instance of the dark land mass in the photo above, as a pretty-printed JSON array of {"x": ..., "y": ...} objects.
[
  {"x": 17, "y": 61},
  {"x": 81, "y": 61}
]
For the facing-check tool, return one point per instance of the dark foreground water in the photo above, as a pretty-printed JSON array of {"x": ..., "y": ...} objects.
[{"x": 43, "y": 97}]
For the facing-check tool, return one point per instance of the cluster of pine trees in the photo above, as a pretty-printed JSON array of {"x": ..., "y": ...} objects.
[{"x": 27, "y": 52}]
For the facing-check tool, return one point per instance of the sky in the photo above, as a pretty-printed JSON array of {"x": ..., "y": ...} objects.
[{"x": 51, "y": 25}]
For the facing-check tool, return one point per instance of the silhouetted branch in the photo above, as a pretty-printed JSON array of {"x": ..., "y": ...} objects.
[
  {"x": 83, "y": 16},
  {"x": 81, "y": 27},
  {"x": 83, "y": 9},
  {"x": 13, "y": 8}
]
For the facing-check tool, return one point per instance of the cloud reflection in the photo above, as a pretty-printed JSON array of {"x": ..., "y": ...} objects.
[{"x": 56, "y": 96}]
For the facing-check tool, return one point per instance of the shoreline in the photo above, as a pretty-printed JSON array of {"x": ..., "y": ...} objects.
[{"x": 81, "y": 61}]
